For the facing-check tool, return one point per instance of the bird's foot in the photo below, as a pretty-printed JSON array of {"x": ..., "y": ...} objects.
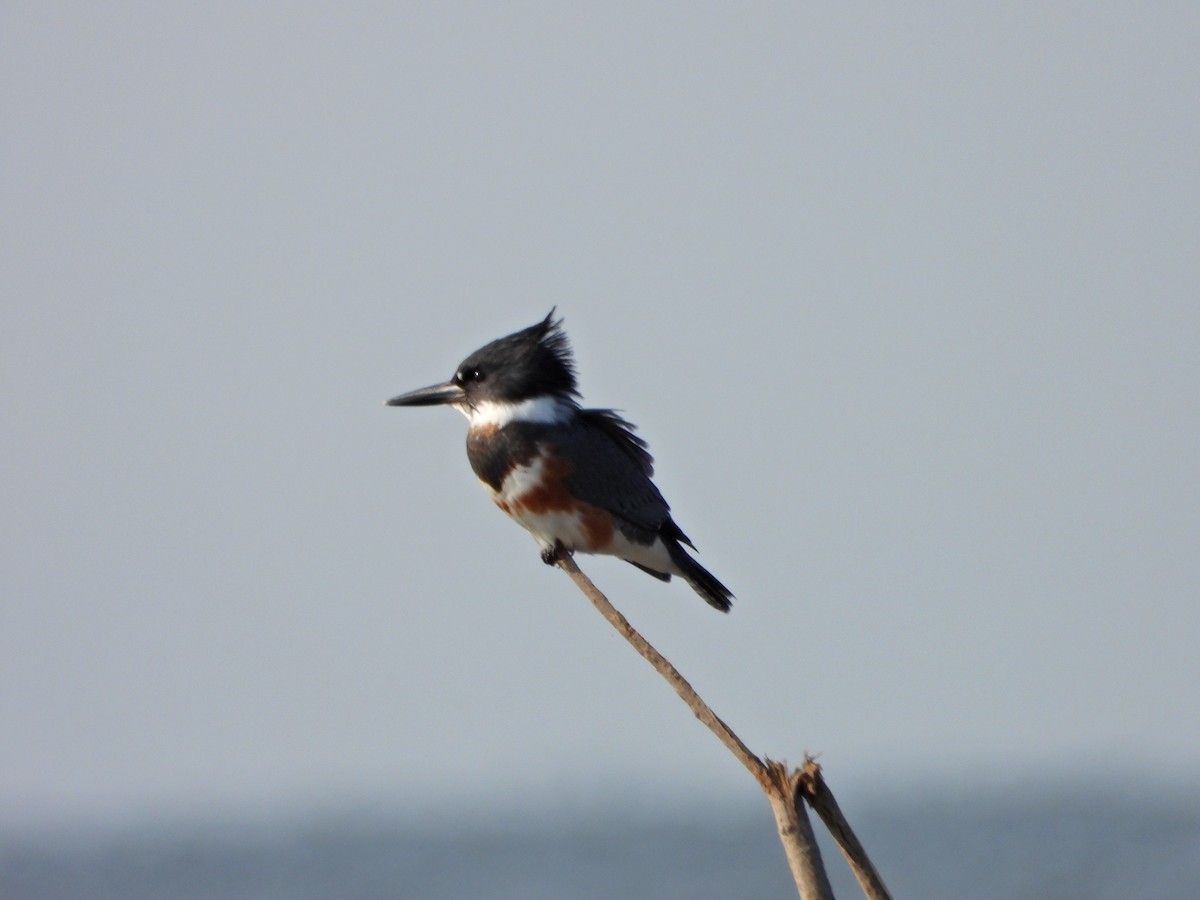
[{"x": 551, "y": 555}]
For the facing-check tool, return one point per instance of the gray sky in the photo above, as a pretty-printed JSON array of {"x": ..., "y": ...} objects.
[{"x": 905, "y": 300}]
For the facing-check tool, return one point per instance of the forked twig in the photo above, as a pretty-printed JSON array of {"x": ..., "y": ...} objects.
[{"x": 780, "y": 786}]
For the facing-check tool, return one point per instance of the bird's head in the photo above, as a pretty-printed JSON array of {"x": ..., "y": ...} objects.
[{"x": 527, "y": 367}]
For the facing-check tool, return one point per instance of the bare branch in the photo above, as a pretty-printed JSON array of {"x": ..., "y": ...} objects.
[
  {"x": 664, "y": 668},
  {"x": 795, "y": 831},
  {"x": 811, "y": 783}
]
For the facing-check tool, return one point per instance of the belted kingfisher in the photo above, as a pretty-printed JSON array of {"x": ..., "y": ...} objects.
[{"x": 576, "y": 479}]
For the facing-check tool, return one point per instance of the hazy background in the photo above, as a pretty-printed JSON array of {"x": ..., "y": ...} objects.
[{"x": 905, "y": 300}]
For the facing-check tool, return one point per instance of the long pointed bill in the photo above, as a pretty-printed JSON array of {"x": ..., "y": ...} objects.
[{"x": 433, "y": 395}]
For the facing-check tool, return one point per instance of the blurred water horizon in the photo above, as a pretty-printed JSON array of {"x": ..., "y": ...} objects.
[{"x": 1107, "y": 840}]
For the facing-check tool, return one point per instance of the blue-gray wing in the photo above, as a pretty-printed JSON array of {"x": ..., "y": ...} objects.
[{"x": 611, "y": 469}]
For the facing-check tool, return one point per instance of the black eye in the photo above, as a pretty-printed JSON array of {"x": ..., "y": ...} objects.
[{"x": 466, "y": 375}]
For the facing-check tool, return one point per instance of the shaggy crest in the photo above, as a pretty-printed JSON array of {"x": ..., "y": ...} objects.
[{"x": 533, "y": 362}]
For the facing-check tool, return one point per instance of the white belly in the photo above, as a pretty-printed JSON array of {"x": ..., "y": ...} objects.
[{"x": 538, "y": 500}]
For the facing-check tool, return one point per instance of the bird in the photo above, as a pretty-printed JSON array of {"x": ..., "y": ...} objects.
[{"x": 577, "y": 479}]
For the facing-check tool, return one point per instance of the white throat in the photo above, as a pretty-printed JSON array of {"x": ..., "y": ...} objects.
[{"x": 498, "y": 413}]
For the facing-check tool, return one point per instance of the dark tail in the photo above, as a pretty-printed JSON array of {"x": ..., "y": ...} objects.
[{"x": 703, "y": 582}]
